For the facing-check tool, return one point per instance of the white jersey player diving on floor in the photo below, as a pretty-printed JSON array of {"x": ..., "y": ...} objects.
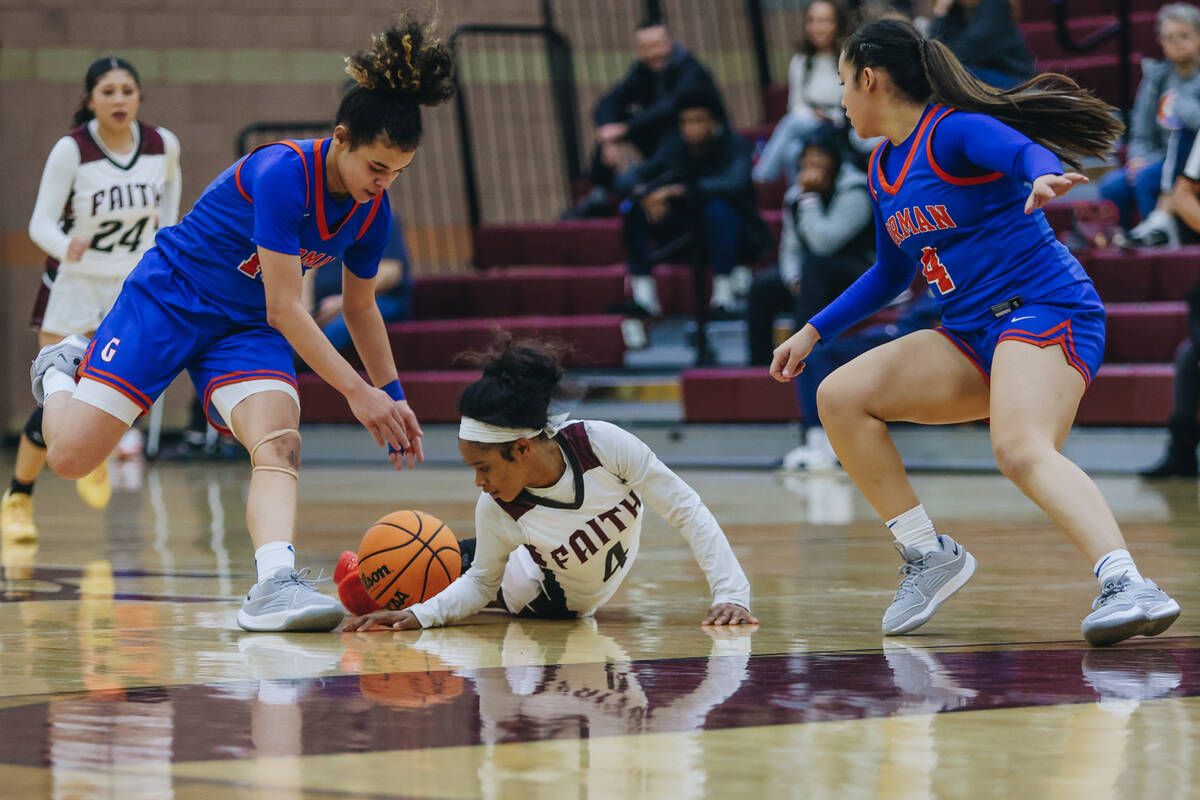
[{"x": 559, "y": 522}]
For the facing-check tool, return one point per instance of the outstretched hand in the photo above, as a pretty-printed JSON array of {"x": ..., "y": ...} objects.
[
  {"x": 729, "y": 614},
  {"x": 1048, "y": 187},
  {"x": 381, "y": 621},
  {"x": 415, "y": 453}
]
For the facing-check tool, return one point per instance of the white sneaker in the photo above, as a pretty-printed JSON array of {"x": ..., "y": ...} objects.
[
  {"x": 815, "y": 454},
  {"x": 66, "y": 356},
  {"x": 287, "y": 602}
]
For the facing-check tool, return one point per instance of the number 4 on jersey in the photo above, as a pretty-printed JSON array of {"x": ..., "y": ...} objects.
[{"x": 935, "y": 271}]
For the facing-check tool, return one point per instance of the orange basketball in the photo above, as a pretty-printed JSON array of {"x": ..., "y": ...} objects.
[{"x": 406, "y": 557}]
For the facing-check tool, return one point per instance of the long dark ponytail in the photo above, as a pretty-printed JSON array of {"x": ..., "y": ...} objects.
[{"x": 1050, "y": 109}]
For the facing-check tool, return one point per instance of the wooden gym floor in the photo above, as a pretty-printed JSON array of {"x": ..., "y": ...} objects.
[{"x": 123, "y": 674}]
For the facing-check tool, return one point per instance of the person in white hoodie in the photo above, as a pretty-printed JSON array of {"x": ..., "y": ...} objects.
[{"x": 106, "y": 188}]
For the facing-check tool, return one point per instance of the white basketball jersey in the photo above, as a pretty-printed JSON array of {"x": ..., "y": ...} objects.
[
  {"x": 587, "y": 545},
  {"x": 115, "y": 201},
  {"x": 584, "y": 532}
]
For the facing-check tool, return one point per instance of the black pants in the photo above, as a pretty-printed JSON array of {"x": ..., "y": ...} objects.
[{"x": 822, "y": 279}]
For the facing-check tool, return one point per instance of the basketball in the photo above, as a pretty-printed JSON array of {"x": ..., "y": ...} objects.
[{"x": 406, "y": 557}]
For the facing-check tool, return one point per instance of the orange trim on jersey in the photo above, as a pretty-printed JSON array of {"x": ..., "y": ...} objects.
[
  {"x": 123, "y": 386},
  {"x": 946, "y": 176},
  {"x": 871, "y": 168},
  {"x": 1064, "y": 338},
  {"x": 230, "y": 378},
  {"x": 319, "y": 169},
  {"x": 370, "y": 216},
  {"x": 237, "y": 173},
  {"x": 237, "y": 179},
  {"x": 966, "y": 350},
  {"x": 889, "y": 188}
]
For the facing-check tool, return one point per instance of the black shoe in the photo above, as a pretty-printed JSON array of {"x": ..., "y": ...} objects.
[
  {"x": 1180, "y": 458},
  {"x": 467, "y": 548},
  {"x": 1173, "y": 465}
]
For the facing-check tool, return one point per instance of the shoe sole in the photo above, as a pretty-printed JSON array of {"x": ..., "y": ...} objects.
[
  {"x": 304, "y": 620},
  {"x": 1162, "y": 617},
  {"x": 942, "y": 595},
  {"x": 1144, "y": 625}
]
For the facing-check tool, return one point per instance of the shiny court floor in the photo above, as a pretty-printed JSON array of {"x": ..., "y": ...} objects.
[{"x": 123, "y": 675}]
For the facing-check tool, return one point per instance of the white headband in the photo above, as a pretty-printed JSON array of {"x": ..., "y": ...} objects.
[{"x": 472, "y": 430}]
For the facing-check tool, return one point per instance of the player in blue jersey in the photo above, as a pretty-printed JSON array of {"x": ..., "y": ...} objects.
[
  {"x": 220, "y": 296},
  {"x": 1023, "y": 327}
]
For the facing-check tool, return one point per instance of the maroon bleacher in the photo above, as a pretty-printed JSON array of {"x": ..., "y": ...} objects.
[
  {"x": 1043, "y": 10},
  {"x": 1121, "y": 394},
  {"x": 1042, "y": 38},
  {"x": 520, "y": 291},
  {"x": 592, "y": 241},
  {"x": 595, "y": 339},
  {"x": 433, "y": 396}
]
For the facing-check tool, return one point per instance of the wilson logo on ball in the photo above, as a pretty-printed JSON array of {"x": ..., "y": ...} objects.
[{"x": 376, "y": 576}]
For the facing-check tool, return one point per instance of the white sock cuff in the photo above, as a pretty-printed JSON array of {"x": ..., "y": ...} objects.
[
  {"x": 55, "y": 381},
  {"x": 1115, "y": 555},
  {"x": 272, "y": 556},
  {"x": 914, "y": 516}
]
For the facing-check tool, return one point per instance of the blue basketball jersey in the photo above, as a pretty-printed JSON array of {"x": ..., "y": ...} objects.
[
  {"x": 276, "y": 198},
  {"x": 970, "y": 235}
]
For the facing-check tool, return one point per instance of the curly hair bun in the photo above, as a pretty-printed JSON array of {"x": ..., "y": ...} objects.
[{"x": 408, "y": 60}]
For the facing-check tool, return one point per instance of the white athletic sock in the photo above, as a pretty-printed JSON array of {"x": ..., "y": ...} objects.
[
  {"x": 1113, "y": 564},
  {"x": 273, "y": 555},
  {"x": 722, "y": 292},
  {"x": 645, "y": 293},
  {"x": 914, "y": 529},
  {"x": 56, "y": 381}
]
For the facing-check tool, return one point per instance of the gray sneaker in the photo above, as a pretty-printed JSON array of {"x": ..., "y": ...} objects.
[
  {"x": 66, "y": 356},
  {"x": 928, "y": 581},
  {"x": 1124, "y": 609},
  {"x": 287, "y": 602}
]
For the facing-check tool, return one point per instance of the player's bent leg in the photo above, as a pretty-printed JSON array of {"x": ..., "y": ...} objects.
[
  {"x": 81, "y": 430},
  {"x": 1035, "y": 394},
  {"x": 265, "y": 422},
  {"x": 921, "y": 378}
]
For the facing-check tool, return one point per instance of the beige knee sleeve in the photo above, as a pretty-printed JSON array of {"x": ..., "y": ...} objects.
[{"x": 270, "y": 437}]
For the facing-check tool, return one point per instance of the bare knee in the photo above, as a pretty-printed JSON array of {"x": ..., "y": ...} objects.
[
  {"x": 68, "y": 461},
  {"x": 1018, "y": 455},
  {"x": 839, "y": 398}
]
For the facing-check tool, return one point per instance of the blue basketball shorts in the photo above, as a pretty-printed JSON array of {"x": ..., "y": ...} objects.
[
  {"x": 1071, "y": 318},
  {"x": 160, "y": 326}
]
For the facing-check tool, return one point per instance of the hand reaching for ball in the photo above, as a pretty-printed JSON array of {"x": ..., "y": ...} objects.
[{"x": 403, "y": 620}]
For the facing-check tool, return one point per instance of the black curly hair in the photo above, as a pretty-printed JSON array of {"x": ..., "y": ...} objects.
[
  {"x": 406, "y": 68},
  {"x": 520, "y": 379}
]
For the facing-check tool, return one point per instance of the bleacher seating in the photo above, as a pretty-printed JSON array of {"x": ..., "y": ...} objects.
[{"x": 559, "y": 280}]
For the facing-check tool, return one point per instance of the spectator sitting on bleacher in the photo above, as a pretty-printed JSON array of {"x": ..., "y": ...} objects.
[
  {"x": 814, "y": 90},
  {"x": 1166, "y": 114},
  {"x": 393, "y": 290},
  {"x": 827, "y": 242},
  {"x": 985, "y": 37},
  {"x": 694, "y": 189},
  {"x": 633, "y": 117}
]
